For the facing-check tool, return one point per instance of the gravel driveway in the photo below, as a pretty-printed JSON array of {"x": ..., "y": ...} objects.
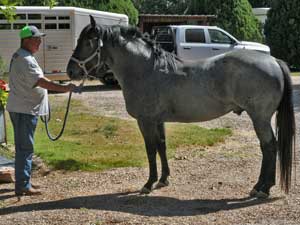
[{"x": 208, "y": 185}]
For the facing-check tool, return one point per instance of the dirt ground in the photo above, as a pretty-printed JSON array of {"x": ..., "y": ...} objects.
[{"x": 207, "y": 185}]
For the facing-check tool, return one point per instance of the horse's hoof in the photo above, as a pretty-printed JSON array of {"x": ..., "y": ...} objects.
[
  {"x": 145, "y": 190},
  {"x": 253, "y": 193},
  {"x": 262, "y": 195},
  {"x": 258, "y": 194},
  {"x": 162, "y": 184}
]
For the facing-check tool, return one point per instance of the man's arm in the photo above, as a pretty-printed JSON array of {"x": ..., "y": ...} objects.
[{"x": 49, "y": 85}]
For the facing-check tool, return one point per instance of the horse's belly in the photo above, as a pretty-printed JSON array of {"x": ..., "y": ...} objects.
[{"x": 189, "y": 112}]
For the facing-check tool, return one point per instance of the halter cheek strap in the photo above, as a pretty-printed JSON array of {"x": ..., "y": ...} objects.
[{"x": 82, "y": 63}]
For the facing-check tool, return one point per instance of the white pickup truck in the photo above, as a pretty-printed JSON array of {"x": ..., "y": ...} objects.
[{"x": 190, "y": 42}]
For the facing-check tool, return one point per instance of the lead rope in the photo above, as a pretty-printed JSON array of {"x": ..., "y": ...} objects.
[
  {"x": 46, "y": 120},
  {"x": 81, "y": 64}
]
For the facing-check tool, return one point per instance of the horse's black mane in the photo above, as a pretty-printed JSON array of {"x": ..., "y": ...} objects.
[{"x": 163, "y": 61}]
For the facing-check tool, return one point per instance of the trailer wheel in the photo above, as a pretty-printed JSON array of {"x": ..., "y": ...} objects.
[{"x": 108, "y": 79}]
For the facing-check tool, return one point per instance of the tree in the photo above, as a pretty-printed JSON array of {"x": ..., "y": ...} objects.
[
  {"x": 9, "y": 10},
  {"x": 235, "y": 16},
  {"x": 120, "y": 6},
  {"x": 160, "y": 6},
  {"x": 282, "y": 30},
  {"x": 117, "y": 6}
]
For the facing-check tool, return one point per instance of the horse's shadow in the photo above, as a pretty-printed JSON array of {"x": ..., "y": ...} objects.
[{"x": 132, "y": 202}]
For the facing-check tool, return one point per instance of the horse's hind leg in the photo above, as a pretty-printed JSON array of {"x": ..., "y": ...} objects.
[
  {"x": 268, "y": 146},
  {"x": 149, "y": 132},
  {"x": 161, "y": 147}
]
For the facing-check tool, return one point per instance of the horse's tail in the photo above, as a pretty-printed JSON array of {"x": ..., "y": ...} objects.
[{"x": 285, "y": 130}]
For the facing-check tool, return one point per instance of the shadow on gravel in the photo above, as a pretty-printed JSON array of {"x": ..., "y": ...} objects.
[
  {"x": 296, "y": 96},
  {"x": 134, "y": 203}
]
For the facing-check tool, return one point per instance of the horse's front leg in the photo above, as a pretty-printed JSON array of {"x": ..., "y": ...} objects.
[{"x": 149, "y": 132}]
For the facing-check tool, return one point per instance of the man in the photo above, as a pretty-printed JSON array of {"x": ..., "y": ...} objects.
[{"x": 27, "y": 100}]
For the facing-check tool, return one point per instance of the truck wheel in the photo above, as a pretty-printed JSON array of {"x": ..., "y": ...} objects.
[{"x": 108, "y": 79}]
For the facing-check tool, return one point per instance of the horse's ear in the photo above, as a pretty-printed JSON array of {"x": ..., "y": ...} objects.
[{"x": 93, "y": 22}]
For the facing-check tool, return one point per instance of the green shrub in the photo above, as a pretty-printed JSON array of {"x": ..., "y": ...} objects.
[
  {"x": 282, "y": 30},
  {"x": 121, "y": 6}
]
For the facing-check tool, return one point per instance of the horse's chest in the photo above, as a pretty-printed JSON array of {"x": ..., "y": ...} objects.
[{"x": 142, "y": 102}]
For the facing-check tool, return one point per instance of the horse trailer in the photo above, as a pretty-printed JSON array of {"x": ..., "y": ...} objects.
[{"x": 62, "y": 26}]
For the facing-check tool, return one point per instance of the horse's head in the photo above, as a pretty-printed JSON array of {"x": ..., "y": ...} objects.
[{"x": 86, "y": 58}]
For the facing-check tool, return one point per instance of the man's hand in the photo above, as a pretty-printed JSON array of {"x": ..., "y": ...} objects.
[
  {"x": 71, "y": 87},
  {"x": 49, "y": 85},
  {"x": 77, "y": 89}
]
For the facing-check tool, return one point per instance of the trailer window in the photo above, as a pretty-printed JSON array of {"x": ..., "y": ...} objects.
[
  {"x": 34, "y": 16},
  {"x": 20, "y": 17},
  {"x": 18, "y": 26},
  {"x": 63, "y": 17},
  {"x": 38, "y": 25},
  {"x": 50, "y": 17},
  {"x": 64, "y": 26},
  {"x": 5, "y": 26},
  {"x": 51, "y": 26}
]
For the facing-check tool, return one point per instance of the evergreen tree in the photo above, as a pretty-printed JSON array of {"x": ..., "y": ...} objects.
[
  {"x": 117, "y": 6},
  {"x": 120, "y": 6},
  {"x": 260, "y": 3},
  {"x": 282, "y": 30}
]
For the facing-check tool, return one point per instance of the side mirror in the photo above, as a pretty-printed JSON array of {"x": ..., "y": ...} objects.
[{"x": 234, "y": 43}]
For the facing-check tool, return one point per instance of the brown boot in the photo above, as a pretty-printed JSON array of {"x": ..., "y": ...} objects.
[
  {"x": 35, "y": 186},
  {"x": 29, "y": 192}
]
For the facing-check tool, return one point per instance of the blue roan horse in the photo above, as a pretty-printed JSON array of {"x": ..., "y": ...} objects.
[{"x": 158, "y": 88}]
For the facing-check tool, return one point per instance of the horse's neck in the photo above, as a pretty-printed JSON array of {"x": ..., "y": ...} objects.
[{"x": 130, "y": 59}]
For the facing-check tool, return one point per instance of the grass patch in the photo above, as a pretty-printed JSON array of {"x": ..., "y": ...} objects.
[
  {"x": 93, "y": 143},
  {"x": 6, "y": 152},
  {"x": 295, "y": 73}
]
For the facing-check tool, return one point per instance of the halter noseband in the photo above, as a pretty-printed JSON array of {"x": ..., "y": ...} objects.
[{"x": 82, "y": 63}]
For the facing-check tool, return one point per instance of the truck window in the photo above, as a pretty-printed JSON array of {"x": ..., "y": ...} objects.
[
  {"x": 217, "y": 36},
  {"x": 163, "y": 36},
  {"x": 194, "y": 36}
]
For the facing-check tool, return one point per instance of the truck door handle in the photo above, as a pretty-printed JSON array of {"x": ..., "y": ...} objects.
[
  {"x": 187, "y": 48},
  {"x": 215, "y": 49}
]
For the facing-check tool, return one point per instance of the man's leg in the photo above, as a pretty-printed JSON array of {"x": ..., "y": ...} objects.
[{"x": 24, "y": 127}]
